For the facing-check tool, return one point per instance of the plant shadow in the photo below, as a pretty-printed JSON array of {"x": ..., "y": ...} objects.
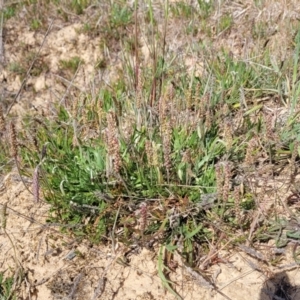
[{"x": 279, "y": 287}]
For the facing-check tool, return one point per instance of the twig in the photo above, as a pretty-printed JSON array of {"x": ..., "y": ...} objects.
[{"x": 253, "y": 253}]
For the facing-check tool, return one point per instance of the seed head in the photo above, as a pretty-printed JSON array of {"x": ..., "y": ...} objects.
[
  {"x": 149, "y": 154},
  {"x": 208, "y": 119},
  {"x": 113, "y": 143},
  {"x": 166, "y": 137},
  {"x": 143, "y": 216},
  {"x": 219, "y": 180},
  {"x": 250, "y": 156},
  {"x": 228, "y": 134}
]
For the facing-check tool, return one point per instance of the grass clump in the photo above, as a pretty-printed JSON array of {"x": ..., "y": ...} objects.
[
  {"x": 167, "y": 176},
  {"x": 79, "y": 5},
  {"x": 35, "y": 24},
  {"x": 9, "y": 12},
  {"x": 71, "y": 64}
]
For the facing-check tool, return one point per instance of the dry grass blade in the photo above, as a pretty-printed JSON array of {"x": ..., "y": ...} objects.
[
  {"x": 200, "y": 280},
  {"x": 253, "y": 253}
]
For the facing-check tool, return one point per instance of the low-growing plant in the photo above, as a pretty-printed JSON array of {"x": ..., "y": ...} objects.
[
  {"x": 171, "y": 161},
  {"x": 35, "y": 24},
  {"x": 6, "y": 285},
  {"x": 15, "y": 67},
  {"x": 225, "y": 23},
  {"x": 9, "y": 12},
  {"x": 79, "y": 5},
  {"x": 71, "y": 64}
]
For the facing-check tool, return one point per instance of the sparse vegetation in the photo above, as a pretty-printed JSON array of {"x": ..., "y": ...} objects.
[
  {"x": 71, "y": 64},
  {"x": 170, "y": 155}
]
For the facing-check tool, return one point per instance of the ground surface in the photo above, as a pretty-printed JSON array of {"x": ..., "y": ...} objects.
[
  {"x": 54, "y": 272},
  {"x": 56, "y": 266}
]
